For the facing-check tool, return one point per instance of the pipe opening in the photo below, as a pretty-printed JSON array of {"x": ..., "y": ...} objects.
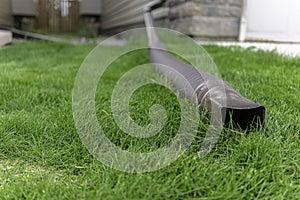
[{"x": 244, "y": 119}]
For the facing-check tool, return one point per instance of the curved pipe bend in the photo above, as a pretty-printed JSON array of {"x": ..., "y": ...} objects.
[{"x": 206, "y": 90}]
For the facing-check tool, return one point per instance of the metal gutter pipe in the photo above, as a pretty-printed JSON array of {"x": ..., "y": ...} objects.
[{"x": 243, "y": 22}]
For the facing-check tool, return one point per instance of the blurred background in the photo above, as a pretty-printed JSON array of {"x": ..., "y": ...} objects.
[{"x": 242, "y": 20}]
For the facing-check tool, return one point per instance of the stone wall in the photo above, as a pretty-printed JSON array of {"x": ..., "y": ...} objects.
[{"x": 206, "y": 18}]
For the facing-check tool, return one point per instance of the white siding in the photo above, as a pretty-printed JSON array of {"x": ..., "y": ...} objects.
[
  {"x": 122, "y": 12},
  {"x": 5, "y": 13},
  {"x": 25, "y": 7},
  {"x": 90, "y": 7},
  {"x": 273, "y": 20}
]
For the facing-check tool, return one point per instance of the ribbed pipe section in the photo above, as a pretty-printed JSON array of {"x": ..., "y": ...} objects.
[{"x": 203, "y": 89}]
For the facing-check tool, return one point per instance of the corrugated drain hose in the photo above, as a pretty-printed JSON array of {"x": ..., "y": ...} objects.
[{"x": 207, "y": 90}]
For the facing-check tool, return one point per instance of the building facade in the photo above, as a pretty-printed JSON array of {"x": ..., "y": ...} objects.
[
  {"x": 257, "y": 20},
  {"x": 266, "y": 20},
  {"x": 199, "y": 18},
  {"x": 6, "y": 18},
  {"x": 54, "y": 15}
]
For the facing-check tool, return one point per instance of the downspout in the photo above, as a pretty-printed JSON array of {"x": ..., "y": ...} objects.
[
  {"x": 204, "y": 89},
  {"x": 243, "y": 22}
]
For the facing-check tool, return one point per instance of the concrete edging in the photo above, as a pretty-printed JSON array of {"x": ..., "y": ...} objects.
[{"x": 5, "y": 37}]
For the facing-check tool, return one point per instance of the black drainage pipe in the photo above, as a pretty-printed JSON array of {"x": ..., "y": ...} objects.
[
  {"x": 204, "y": 90},
  {"x": 30, "y": 36}
]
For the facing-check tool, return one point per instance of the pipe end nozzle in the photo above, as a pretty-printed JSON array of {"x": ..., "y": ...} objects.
[{"x": 245, "y": 119}]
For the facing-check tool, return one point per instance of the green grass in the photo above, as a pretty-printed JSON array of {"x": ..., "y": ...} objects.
[{"x": 42, "y": 157}]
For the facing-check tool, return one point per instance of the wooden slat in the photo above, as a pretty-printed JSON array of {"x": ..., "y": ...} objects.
[{"x": 55, "y": 18}]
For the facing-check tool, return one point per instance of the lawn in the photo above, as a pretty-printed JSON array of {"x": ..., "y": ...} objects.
[{"x": 42, "y": 156}]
